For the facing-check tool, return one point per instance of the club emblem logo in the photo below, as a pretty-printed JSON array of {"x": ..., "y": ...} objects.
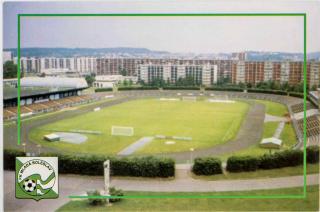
[{"x": 37, "y": 178}]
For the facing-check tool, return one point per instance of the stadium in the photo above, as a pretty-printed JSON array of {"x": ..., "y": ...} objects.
[
  {"x": 175, "y": 141},
  {"x": 173, "y": 123}
]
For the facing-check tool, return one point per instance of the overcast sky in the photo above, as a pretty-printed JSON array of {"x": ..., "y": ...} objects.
[{"x": 174, "y": 34}]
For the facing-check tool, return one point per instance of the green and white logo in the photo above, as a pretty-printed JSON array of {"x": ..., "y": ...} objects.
[{"x": 37, "y": 178}]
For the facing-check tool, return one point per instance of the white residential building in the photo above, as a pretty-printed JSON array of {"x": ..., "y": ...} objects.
[{"x": 202, "y": 74}]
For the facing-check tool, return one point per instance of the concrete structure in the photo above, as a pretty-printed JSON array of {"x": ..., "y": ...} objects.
[
  {"x": 30, "y": 65},
  {"x": 314, "y": 76},
  {"x": 43, "y": 89},
  {"x": 108, "y": 81},
  {"x": 52, "y": 137},
  {"x": 290, "y": 72},
  {"x": 202, "y": 74},
  {"x": 116, "y": 66},
  {"x": 271, "y": 143}
]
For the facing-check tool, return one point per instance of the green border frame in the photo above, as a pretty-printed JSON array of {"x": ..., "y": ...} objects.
[{"x": 304, "y": 15}]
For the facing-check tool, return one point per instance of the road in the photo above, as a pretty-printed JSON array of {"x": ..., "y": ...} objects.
[{"x": 78, "y": 185}]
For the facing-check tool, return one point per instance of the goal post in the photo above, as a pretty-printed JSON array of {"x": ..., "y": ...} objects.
[
  {"x": 189, "y": 98},
  {"x": 121, "y": 130}
]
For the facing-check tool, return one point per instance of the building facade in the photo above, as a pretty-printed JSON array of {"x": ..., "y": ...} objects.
[{"x": 201, "y": 74}]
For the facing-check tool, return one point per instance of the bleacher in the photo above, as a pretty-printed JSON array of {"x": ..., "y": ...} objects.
[
  {"x": 38, "y": 107},
  {"x": 297, "y": 108},
  {"x": 11, "y": 112},
  {"x": 312, "y": 125}
]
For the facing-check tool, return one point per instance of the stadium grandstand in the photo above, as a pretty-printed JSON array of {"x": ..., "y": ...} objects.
[
  {"x": 45, "y": 94},
  {"x": 312, "y": 120}
]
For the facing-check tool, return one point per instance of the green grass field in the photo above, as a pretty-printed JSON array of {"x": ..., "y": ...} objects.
[
  {"x": 207, "y": 123},
  {"x": 287, "y": 136},
  {"x": 310, "y": 203},
  {"x": 274, "y": 108}
]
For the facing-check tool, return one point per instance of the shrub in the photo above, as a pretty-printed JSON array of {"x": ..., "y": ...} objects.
[
  {"x": 96, "y": 201},
  {"x": 102, "y": 89},
  {"x": 207, "y": 166},
  {"x": 136, "y": 166},
  {"x": 313, "y": 154},
  {"x": 181, "y": 88},
  {"x": 138, "y": 88},
  {"x": 295, "y": 94},
  {"x": 9, "y": 158},
  {"x": 236, "y": 89},
  {"x": 281, "y": 159},
  {"x": 115, "y": 192},
  {"x": 143, "y": 167},
  {"x": 242, "y": 163},
  {"x": 277, "y": 92}
]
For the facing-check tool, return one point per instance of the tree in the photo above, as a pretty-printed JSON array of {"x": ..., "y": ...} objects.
[
  {"x": 10, "y": 70},
  {"x": 90, "y": 79},
  {"x": 123, "y": 72}
]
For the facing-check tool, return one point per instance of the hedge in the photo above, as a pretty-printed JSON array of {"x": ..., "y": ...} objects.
[
  {"x": 281, "y": 159},
  {"x": 207, "y": 166},
  {"x": 295, "y": 94},
  {"x": 313, "y": 154},
  {"x": 138, "y": 88},
  {"x": 277, "y": 92},
  {"x": 93, "y": 165},
  {"x": 181, "y": 88},
  {"x": 242, "y": 163},
  {"x": 9, "y": 158},
  {"x": 224, "y": 89},
  {"x": 102, "y": 89}
]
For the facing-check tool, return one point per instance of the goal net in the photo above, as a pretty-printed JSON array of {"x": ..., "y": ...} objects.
[
  {"x": 189, "y": 98},
  {"x": 124, "y": 131}
]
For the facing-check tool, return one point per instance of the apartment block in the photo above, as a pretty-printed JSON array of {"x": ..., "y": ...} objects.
[{"x": 202, "y": 74}]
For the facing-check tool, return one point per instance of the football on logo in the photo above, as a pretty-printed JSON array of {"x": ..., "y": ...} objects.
[{"x": 29, "y": 185}]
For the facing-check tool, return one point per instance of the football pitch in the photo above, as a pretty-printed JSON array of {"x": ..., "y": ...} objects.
[{"x": 208, "y": 124}]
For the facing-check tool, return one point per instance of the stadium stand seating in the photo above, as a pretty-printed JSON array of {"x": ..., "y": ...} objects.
[
  {"x": 11, "y": 112},
  {"x": 312, "y": 125},
  {"x": 297, "y": 108}
]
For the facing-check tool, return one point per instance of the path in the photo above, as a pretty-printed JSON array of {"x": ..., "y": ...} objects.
[
  {"x": 271, "y": 118},
  {"x": 279, "y": 129},
  {"x": 135, "y": 146},
  {"x": 77, "y": 185}
]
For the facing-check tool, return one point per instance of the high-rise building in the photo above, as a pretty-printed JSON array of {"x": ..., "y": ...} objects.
[
  {"x": 201, "y": 74},
  {"x": 314, "y": 74}
]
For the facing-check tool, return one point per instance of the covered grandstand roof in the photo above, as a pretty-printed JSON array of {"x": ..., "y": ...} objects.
[
  {"x": 53, "y": 82},
  {"x": 43, "y": 85}
]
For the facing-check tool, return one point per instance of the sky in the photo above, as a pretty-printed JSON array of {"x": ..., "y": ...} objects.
[{"x": 173, "y": 34}]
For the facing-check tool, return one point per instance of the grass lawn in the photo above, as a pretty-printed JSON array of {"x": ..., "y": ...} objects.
[
  {"x": 283, "y": 172},
  {"x": 274, "y": 108},
  {"x": 311, "y": 203},
  {"x": 207, "y": 123},
  {"x": 269, "y": 128},
  {"x": 287, "y": 136}
]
